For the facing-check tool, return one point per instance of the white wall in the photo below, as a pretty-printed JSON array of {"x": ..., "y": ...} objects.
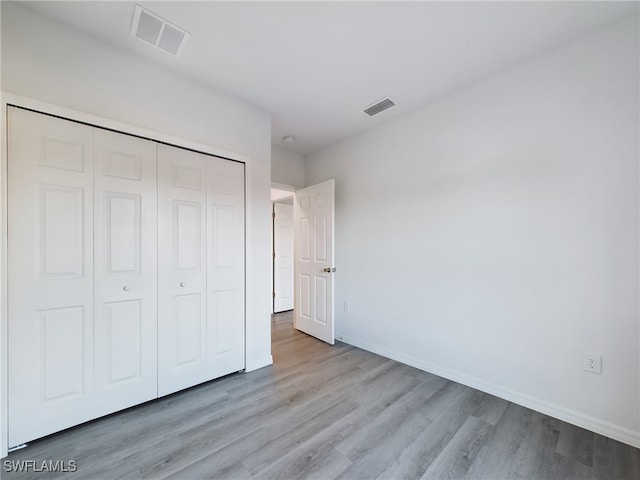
[
  {"x": 287, "y": 167},
  {"x": 492, "y": 236},
  {"x": 44, "y": 60}
]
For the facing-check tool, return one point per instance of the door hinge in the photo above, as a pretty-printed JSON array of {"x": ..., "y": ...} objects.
[{"x": 274, "y": 294}]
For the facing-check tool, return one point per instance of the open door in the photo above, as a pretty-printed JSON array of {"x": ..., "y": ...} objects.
[{"x": 313, "y": 218}]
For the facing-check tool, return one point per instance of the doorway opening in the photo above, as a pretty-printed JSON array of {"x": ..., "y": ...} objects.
[
  {"x": 303, "y": 277},
  {"x": 282, "y": 248}
]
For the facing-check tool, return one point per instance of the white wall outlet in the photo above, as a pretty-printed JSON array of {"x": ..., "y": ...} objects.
[
  {"x": 347, "y": 307},
  {"x": 593, "y": 363}
]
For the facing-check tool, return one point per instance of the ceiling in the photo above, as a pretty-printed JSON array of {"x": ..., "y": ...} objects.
[{"x": 316, "y": 65}]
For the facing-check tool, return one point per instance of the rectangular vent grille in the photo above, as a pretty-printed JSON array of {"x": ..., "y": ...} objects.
[
  {"x": 378, "y": 107},
  {"x": 155, "y": 31}
]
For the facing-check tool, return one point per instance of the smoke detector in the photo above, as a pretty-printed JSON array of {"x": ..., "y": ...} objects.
[
  {"x": 156, "y": 31},
  {"x": 379, "y": 106}
]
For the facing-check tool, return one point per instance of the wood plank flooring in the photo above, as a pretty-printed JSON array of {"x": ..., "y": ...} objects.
[{"x": 324, "y": 412}]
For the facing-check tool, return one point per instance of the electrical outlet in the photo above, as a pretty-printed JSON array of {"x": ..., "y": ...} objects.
[
  {"x": 593, "y": 363},
  {"x": 347, "y": 307}
]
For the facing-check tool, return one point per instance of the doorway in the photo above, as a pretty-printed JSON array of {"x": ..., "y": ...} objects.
[
  {"x": 303, "y": 257},
  {"x": 282, "y": 249}
]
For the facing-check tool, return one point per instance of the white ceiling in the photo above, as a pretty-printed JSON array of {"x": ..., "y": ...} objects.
[{"x": 316, "y": 65}]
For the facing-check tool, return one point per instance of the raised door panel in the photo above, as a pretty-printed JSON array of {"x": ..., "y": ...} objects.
[
  {"x": 225, "y": 267},
  {"x": 124, "y": 357},
  {"x": 61, "y": 341},
  {"x": 125, "y": 271},
  {"x": 304, "y": 276},
  {"x": 50, "y": 274},
  {"x": 60, "y": 231},
  {"x": 187, "y": 230},
  {"x": 182, "y": 291},
  {"x": 188, "y": 329}
]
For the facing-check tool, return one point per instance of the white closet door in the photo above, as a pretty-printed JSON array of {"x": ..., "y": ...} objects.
[
  {"x": 225, "y": 267},
  {"x": 50, "y": 275},
  {"x": 182, "y": 289},
  {"x": 125, "y": 236}
]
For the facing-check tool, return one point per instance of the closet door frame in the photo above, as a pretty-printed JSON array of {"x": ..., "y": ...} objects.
[{"x": 9, "y": 99}]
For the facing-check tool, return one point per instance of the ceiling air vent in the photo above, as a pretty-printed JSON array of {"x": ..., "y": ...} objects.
[
  {"x": 379, "y": 106},
  {"x": 152, "y": 29}
]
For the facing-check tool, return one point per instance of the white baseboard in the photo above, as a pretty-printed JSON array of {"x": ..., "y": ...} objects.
[{"x": 588, "y": 422}]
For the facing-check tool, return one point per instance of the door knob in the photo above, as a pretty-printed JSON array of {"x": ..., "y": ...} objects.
[
  {"x": 126, "y": 288},
  {"x": 183, "y": 284},
  {"x": 329, "y": 270}
]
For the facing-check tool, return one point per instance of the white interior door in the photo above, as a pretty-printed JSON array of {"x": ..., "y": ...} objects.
[
  {"x": 282, "y": 257},
  {"x": 182, "y": 269},
  {"x": 125, "y": 243},
  {"x": 225, "y": 267},
  {"x": 313, "y": 215},
  {"x": 50, "y": 274}
]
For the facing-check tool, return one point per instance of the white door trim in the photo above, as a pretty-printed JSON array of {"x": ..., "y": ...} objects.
[{"x": 8, "y": 98}]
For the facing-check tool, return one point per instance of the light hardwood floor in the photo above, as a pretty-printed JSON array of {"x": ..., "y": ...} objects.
[{"x": 324, "y": 412}]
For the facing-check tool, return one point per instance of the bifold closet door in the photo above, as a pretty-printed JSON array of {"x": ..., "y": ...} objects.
[
  {"x": 125, "y": 243},
  {"x": 200, "y": 268},
  {"x": 125, "y": 271},
  {"x": 225, "y": 267},
  {"x": 182, "y": 269},
  {"x": 50, "y": 275}
]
